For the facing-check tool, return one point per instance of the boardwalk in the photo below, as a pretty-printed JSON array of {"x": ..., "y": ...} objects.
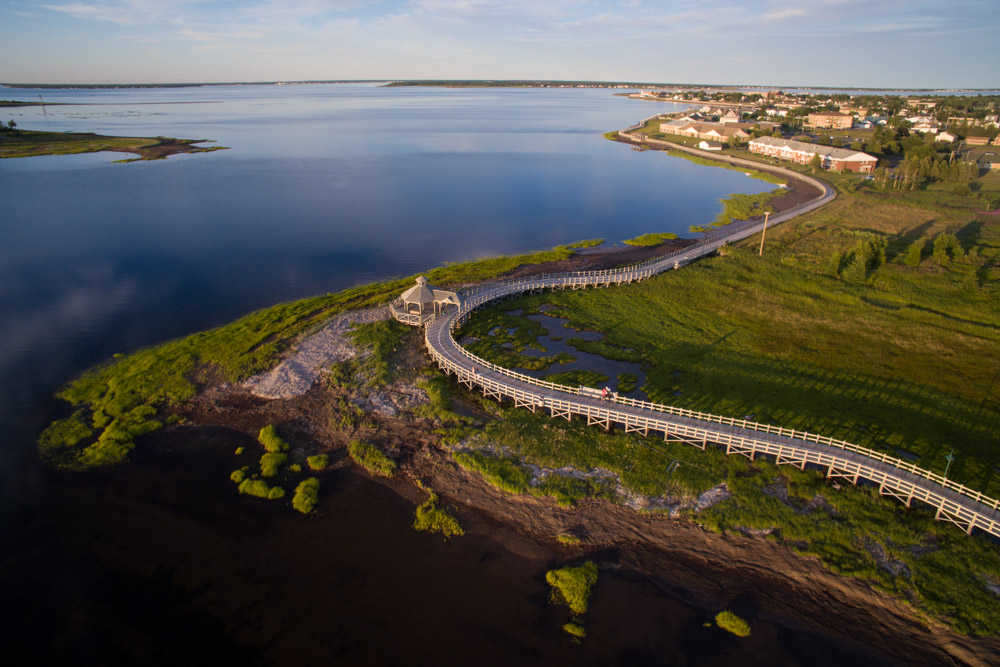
[{"x": 893, "y": 477}]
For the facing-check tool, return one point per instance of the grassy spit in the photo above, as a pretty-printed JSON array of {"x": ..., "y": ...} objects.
[
  {"x": 128, "y": 396},
  {"x": 29, "y": 143}
]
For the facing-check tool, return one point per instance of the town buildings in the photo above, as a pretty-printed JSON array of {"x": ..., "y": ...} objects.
[
  {"x": 834, "y": 159},
  {"x": 833, "y": 121}
]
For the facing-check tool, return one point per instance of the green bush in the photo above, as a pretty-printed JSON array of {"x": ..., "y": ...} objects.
[
  {"x": 271, "y": 440},
  {"x": 371, "y": 458},
  {"x": 433, "y": 519},
  {"x": 575, "y": 630},
  {"x": 238, "y": 475},
  {"x": 306, "y": 495},
  {"x": 572, "y": 585},
  {"x": 318, "y": 462},
  {"x": 730, "y": 622},
  {"x": 271, "y": 463},
  {"x": 254, "y": 487},
  {"x": 239, "y": 451},
  {"x": 275, "y": 492},
  {"x": 915, "y": 252}
]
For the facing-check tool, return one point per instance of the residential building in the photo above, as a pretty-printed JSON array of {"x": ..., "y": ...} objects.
[
  {"x": 833, "y": 121},
  {"x": 977, "y": 141},
  {"x": 834, "y": 159},
  {"x": 946, "y": 136},
  {"x": 709, "y": 131}
]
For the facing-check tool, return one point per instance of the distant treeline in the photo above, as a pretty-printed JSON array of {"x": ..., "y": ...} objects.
[
  {"x": 518, "y": 83},
  {"x": 113, "y": 86}
]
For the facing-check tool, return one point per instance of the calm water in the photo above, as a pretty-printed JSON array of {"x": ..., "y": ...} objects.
[{"x": 324, "y": 187}]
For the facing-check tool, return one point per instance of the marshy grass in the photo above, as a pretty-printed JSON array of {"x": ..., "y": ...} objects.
[
  {"x": 732, "y": 623},
  {"x": 306, "y": 495},
  {"x": 371, "y": 458},
  {"x": 433, "y": 519},
  {"x": 646, "y": 240},
  {"x": 318, "y": 462},
  {"x": 571, "y": 586}
]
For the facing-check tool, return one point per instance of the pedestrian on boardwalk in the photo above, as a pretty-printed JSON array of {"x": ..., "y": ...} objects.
[{"x": 604, "y": 394}]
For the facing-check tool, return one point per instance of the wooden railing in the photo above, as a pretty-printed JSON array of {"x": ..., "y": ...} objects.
[{"x": 954, "y": 502}]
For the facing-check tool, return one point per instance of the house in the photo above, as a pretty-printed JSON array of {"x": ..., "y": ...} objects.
[
  {"x": 730, "y": 117},
  {"x": 706, "y": 145},
  {"x": 834, "y": 159},
  {"x": 946, "y": 136},
  {"x": 833, "y": 121},
  {"x": 710, "y": 131},
  {"x": 977, "y": 141}
]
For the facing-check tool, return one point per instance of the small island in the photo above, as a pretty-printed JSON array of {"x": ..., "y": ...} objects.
[{"x": 15, "y": 142}]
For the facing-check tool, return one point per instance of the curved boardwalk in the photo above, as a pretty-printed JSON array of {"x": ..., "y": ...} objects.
[{"x": 893, "y": 477}]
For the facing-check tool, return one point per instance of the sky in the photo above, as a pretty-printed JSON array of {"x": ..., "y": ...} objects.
[{"x": 824, "y": 43}]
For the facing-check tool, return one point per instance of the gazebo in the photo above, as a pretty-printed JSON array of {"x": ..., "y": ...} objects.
[{"x": 422, "y": 302}]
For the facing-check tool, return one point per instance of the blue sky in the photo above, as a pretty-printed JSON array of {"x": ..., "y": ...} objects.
[{"x": 865, "y": 43}]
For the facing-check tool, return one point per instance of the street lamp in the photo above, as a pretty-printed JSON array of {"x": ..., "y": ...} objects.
[{"x": 949, "y": 459}]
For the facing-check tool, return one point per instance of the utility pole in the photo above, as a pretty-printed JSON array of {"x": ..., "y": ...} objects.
[{"x": 767, "y": 214}]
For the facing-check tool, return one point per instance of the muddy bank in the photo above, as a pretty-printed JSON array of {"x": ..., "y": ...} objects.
[{"x": 780, "y": 592}]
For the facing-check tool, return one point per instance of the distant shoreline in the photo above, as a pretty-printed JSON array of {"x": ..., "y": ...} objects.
[{"x": 482, "y": 83}]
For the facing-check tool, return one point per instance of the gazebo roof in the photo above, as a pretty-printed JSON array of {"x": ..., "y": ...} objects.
[{"x": 421, "y": 293}]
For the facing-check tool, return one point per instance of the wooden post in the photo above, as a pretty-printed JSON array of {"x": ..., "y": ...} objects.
[{"x": 766, "y": 216}]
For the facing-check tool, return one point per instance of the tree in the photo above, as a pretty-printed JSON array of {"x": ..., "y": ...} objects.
[{"x": 816, "y": 163}]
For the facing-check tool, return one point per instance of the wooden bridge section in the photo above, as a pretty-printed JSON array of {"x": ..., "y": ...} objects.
[{"x": 892, "y": 476}]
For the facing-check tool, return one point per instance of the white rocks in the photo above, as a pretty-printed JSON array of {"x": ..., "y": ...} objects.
[{"x": 312, "y": 356}]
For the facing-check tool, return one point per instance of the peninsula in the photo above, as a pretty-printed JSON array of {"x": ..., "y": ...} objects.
[
  {"x": 302, "y": 388},
  {"x": 15, "y": 142}
]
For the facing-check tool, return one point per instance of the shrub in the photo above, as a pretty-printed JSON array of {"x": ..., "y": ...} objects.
[
  {"x": 730, "y": 622},
  {"x": 371, "y": 458},
  {"x": 318, "y": 462},
  {"x": 295, "y": 467},
  {"x": 275, "y": 493},
  {"x": 569, "y": 539},
  {"x": 433, "y": 519},
  {"x": 575, "y": 630},
  {"x": 271, "y": 463},
  {"x": 238, "y": 475},
  {"x": 915, "y": 252},
  {"x": 271, "y": 440},
  {"x": 946, "y": 246},
  {"x": 254, "y": 487},
  {"x": 239, "y": 451},
  {"x": 572, "y": 585},
  {"x": 306, "y": 495}
]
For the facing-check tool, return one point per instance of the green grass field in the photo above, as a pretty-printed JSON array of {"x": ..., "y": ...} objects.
[{"x": 897, "y": 358}]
